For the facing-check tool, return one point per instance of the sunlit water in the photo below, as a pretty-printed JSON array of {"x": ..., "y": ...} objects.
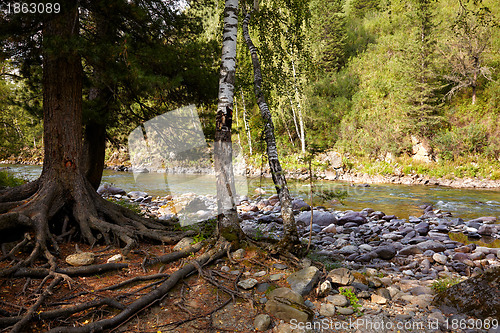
[{"x": 401, "y": 200}]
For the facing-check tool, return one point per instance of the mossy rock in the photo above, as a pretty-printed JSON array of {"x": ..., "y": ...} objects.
[{"x": 478, "y": 296}]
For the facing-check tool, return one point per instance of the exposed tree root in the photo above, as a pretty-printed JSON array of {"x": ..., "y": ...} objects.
[
  {"x": 53, "y": 212},
  {"x": 150, "y": 298}
]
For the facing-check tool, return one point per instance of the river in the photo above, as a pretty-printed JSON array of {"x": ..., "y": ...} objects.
[{"x": 401, "y": 200}]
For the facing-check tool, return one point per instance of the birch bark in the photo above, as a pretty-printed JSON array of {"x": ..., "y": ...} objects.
[
  {"x": 290, "y": 238},
  {"x": 228, "y": 223}
]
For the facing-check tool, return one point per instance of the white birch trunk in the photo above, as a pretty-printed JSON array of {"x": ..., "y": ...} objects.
[
  {"x": 228, "y": 224},
  {"x": 299, "y": 110},
  {"x": 245, "y": 122}
]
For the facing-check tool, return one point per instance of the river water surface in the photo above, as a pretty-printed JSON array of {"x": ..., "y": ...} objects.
[{"x": 401, "y": 200}]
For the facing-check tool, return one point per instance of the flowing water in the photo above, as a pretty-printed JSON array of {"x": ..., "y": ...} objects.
[{"x": 401, "y": 200}]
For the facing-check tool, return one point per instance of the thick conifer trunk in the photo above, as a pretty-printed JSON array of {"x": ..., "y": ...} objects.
[
  {"x": 290, "y": 237},
  {"x": 62, "y": 201}
]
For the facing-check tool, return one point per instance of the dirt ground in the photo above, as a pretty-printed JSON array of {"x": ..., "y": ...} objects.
[{"x": 193, "y": 300}]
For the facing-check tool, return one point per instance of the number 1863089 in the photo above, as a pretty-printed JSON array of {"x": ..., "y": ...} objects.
[{"x": 31, "y": 8}]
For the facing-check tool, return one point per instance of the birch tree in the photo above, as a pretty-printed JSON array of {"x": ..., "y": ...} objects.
[
  {"x": 290, "y": 237},
  {"x": 228, "y": 224}
]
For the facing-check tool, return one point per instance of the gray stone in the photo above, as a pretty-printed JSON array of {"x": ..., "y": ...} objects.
[
  {"x": 345, "y": 311},
  {"x": 348, "y": 250},
  {"x": 432, "y": 245},
  {"x": 81, "y": 259},
  {"x": 276, "y": 277},
  {"x": 386, "y": 252},
  {"x": 304, "y": 280},
  {"x": 106, "y": 189},
  {"x": 366, "y": 247},
  {"x": 262, "y": 287},
  {"x": 440, "y": 258},
  {"x": 309, "y": 304},
  {"x": 262, "y": 322},
  {"x": 183, "y": 244},
  {"x": 385, "y": 293},
  {"x": 238, "y": 254},
  {"x": 410, "y": 249},
  {"x": 136, "y": 194},
  {"x": 422, "y": 228},
  {"x": 299, "y": 204},
  {"x": 487, "y": 229},
  {"x": 341, "y": 276},
  {"x": 413, "y": 219},
  {"x": 352, "y": 217},
  {"x": 338, "y": 300},
  {"x": 260, "y": 274},
  {"x": 320, "y": 218},
  {"x": 247, "y": 284},
  {"x": 286, "y": 304},
  {"x": 280, "y": 266},
  {"x": 327, "y": 309}
]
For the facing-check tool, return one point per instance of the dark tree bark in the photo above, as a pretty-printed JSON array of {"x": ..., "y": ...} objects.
[
  {"x": 100, "y": 96},
  {"x": 63, "y": 190},
  {"x": 290, "y": 238}
]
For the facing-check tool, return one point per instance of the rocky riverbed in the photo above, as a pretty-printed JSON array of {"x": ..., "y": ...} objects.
[{"x": 379, "y": 273}]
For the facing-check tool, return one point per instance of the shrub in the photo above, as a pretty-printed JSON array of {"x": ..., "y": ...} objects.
[{"x": 8, "y": 180}]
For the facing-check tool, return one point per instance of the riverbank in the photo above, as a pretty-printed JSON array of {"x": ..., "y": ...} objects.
[
  {"x": 330, "y": 168},
  {"x": 366, "y": 266}
]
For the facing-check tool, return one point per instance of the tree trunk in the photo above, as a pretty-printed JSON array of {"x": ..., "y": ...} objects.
[
  {"x": 63, "y": 192},
  {"x": 247, "y": 128},
  {"x": 228, "y": 223},
  {"x": 62, "y": 99},
  {"x": 290, "y": 238},
  {"x": 299, "y": 110},
  {"x": 94, "y": 140}
]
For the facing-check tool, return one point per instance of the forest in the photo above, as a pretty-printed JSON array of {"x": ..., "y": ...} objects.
[
  {"x": 392, "y": 87},
  {"x": 369, "y": 81}
]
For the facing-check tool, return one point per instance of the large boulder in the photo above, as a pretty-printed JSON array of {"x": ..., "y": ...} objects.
[
  {"x": 286, "y": 304},
  {"x": 303, "y": 281},
  {"x": 478, "y": 296}
]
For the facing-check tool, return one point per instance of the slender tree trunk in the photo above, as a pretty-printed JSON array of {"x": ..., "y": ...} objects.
[
  {"x": 290, "y": 237},
  {"x": 294, "y": 116},
  {"x": 299, "y": 110},
  {"x": 228, "y": 223},
  {"x": 238, "y": 123},
  {"x": 245, "y": 122}
]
